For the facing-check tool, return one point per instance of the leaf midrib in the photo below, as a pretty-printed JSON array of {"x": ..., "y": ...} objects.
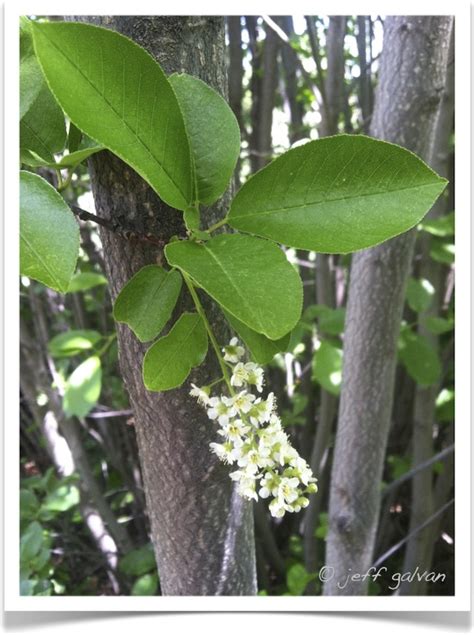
[{"x": 275, "y": 210}]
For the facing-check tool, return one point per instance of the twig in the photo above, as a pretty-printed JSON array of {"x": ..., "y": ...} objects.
[
  {"x": 400, "y": 544},
  {"x": 418, "y": 468}
]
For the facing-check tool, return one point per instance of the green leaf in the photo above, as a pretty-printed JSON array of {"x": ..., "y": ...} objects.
[
  {"x": 445, "y": 406},
  {"x": 337, "y": 195},
  {"x": 29, "y": 504},
  {"x": 31, "y": 77},
  {"x": 249, "y": 277},
  {"x": 327, "y": 367},
  {"x": 147, "y": 301},
  {"x": 439, "y": 325},
  {"x": 262, "y": 349},
  {"x": 168, "y": 361},
  {"x": 85, "y": 280},
  {"x": 213, "y": 132},
  {"x": 297, "y": 579},
  {"x": 330, "y": 321},
  {"x": 83, "y": 388},
  {"x": 31, "y": 541},
  {"x": 146, "y": 585},
  {"x": 47, "y": 256},
  {"x": 443, "y": 226},
  {"x": 42, "y": 129},
  {"x": 74, "y": 137},
  {"x": 442, "y": 251},
  {"x": 138, "y": 561},
  {"x": 116, "y": 93},
  {"x": 420, "y": 294},
  {"x": 73, "y": 342},
  {"x": 419, "y": 358},
  {"x": 62, "y": 499}
]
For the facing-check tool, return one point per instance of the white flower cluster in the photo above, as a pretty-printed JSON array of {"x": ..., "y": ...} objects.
[{"x": 253, "y": 438}]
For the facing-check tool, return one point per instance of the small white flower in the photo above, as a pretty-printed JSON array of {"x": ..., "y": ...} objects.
[
  {"x": 269, "y": 484},
  {"x": 243, "y": 401},
  {"x": 288, "y": 489},
  {"x": 239, "y": 375},
  {"x": 254, "y": 375},
  {"x": 277, "y": 508},
  {"x": 201, "y": 394},
  {"x": 301, "y": 469},
  {"x": 224, "y": 451},
  {"x": 233, "y": 352},
  {"x": 234, "y": 431},
  {"x": 222, "y": 409}
]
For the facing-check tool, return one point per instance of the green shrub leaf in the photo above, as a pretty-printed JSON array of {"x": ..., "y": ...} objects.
[
  {"x": 147, "y": 300},
  {"x": 337, "y": 195},
  {"x": 419, "y": 358},
  {"x": 47, "y": 256},
  {"x": 420, "y": 293},
  {"x": 116, "y": 93},
  {"x": 83, "y": 388},
  {"x": 138, "y": 561},
  {"x": 168, "y": 361},
  {"x": 73, "y": 342},
  {"x": 249, "y": 277},
  {"x": 213, "y": 132},
  {"x": 85, "y": 280},
  {"x": 327, "y": 367}
]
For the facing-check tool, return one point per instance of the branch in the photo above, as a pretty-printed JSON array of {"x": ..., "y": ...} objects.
[
  {"x": 400, "y": 544},
  {"x": 418, "y": 468}
]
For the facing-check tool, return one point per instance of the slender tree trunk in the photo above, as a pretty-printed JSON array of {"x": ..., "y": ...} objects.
[
  {"x": 334, "y": 85},
  {"x": 201, "y": 529},
  {"x": 419, "y": 549},
  {"x": 236, "y": 78},
  {"x": 412, "y": 77},
  {"x": 290, "y": 65}
]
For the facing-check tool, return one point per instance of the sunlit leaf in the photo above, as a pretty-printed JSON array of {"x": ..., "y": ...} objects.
[
  {"x": 116, "y": 93},
  {"x": 337, "y": 195},
  {"x": 83, "y": 388},
  {"x": 47, "y": 256},
  {"x": 327, "y": 367},
  {"x": 73, "y": 342},
  {"x": 249, "y": 277}
]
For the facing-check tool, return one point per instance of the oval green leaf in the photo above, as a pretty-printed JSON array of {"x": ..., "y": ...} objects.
[
  {"x": 83, "y": 388},
  {"x": 213, "y": 133},
  {"x": 31, "y": 77},
  {"x": 116, "y": 93},
  {"x": 249, "y": 277},
  {"x": 337, "y": 195},
  {"x": 85, "y": 280},
  {"x": 168, "y": 361},
  {"x": 73, "y": 342},
  {"x": 327, "y": 367},
  {"x": 42, "y": 129},
  {"x": 147, "y": 300},
  {"x": 47, "y": 256}
]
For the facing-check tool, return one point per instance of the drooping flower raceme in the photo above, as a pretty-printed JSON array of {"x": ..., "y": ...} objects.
[{"x": 253, "y": 439}]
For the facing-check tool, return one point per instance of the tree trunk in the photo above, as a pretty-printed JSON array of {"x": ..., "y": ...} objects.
[
  {"x": 201, "y": 529},
  {"x": 412, "y": 77},
  {"x": 334, "y": 85},
  {"x": 419, "y": 549}
]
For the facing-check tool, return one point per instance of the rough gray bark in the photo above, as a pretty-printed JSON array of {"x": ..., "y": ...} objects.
[
  {"x": 419, "y": 549},
  {"x": 412, "y": 78},
  {"x": 201, "y": 529}
]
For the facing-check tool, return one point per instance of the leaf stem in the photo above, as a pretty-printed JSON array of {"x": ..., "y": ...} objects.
[
  {"x": 210, "y": 332},
  {"x": 220, "y": 223}
]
